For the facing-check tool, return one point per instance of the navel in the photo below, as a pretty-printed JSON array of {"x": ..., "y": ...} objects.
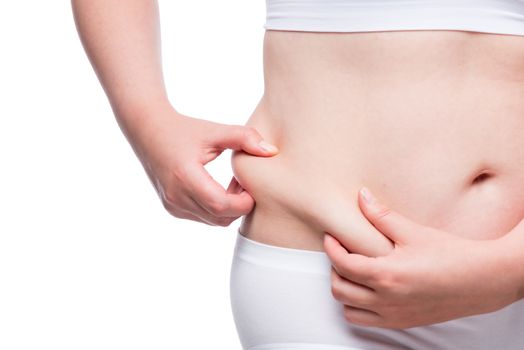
[{"x": 482, "y": 177}]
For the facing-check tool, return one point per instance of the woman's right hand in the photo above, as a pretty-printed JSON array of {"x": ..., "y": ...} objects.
[
  {"x": 122, "y": 41},
  {"x": 173, "y": 149}
]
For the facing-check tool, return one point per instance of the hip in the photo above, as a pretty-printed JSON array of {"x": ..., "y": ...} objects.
[{"x": 281, "y": 299}]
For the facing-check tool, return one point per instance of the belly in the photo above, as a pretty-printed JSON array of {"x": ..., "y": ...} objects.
[{"x": 431, "y": 121}]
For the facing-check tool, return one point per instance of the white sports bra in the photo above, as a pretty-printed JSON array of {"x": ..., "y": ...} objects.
[{"x": 489, "y": 16}]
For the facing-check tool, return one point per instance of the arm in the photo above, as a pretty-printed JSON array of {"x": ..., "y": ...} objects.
[
  {"x": 430, "y": 276},
  {"x": 122, "y": 41},
  {"x": 512, "y": 245}
]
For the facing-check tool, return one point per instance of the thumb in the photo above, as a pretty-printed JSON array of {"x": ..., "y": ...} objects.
[
  {"x": 246, "y": 138},
  {"x": 392, "y": 224}
]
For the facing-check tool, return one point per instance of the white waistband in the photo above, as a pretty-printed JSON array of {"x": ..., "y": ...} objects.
[{"x": 308, "y": 261}]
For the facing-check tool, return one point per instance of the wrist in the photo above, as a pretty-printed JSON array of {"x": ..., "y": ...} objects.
[
  {"x": 135, "y": 109},
  {"x": 142, "y": 117},
  {"x": 511, "y": 246},
  {"x": 141, "y": 122}
]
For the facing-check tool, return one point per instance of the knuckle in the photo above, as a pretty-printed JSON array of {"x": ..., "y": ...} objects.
[
  {"x": 241, "y": 131},
  {"x": 169, "y": 199},
  {"x": 182, "y": 215},
  {"x": 165, "y": 203},
  {"x": 377, "y": 273},
  {"x": 171, "y": 205},
  {"x": 250, "y": 131},
  {"x": 336, "y": 291},
  {"x": 348, "y": 315},
  {"x": 351, "y": 316},
  {"x": 169, "y": 208},
  {"x": 176, "y": 213},
  {"x": 385, "y": 279},
  {"x": 337, "y": 263},
  {"x": 342, "y": 269},
  {"x": 224, "y": 222}
]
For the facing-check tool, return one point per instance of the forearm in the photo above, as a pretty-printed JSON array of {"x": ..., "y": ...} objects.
[
  {"x": 122, "y": 42},
  {"x": 511, "y": 246}
]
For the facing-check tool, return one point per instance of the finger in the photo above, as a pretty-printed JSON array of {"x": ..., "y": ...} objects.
[
  {"x": 354, "y": 232},
  {"x": 350, "y": 293},
  {"x": 361, "y": 317},
  {"x": 234, "y": 187},
  {"x": 210, "y": 218},
  {"x": 203, "y": 220},
  {"x": 191, "y": 210},
  {"x": 354, "y": 267},
  {"x": 392, "y": 224},
  {"x": 242, "y": 137},
  {"x": 211, "y": 196}
]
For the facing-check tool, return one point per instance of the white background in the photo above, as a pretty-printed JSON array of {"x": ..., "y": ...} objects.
[{"x": 89, "y": 258}]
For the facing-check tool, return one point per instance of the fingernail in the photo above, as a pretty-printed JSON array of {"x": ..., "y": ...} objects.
[
  {"x": 267, "y": 147},
  {"x": 368, "y": 197}
]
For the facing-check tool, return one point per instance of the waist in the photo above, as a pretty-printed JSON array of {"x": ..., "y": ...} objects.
[
  {"x": 280, "y": 288},
  {"x": 440, "y": 142}
]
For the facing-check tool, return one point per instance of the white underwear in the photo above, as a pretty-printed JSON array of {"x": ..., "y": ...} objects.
[{"x": 281, "y": 299}]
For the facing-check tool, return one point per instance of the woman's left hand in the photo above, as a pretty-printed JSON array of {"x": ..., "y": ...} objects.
[{"x": 430, "y": 276}]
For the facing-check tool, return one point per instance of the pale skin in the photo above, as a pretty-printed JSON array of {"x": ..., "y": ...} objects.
[
  {"x": 123, "y": 45},
  {"x": 429, "y": 276},
  {"x": 409, "y": 284}
]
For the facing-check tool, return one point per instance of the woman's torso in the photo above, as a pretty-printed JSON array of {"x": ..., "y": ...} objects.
[{"x": 416, "y": 116}]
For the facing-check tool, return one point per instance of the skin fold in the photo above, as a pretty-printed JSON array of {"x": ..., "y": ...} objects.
[
  {"x": 426, "y": 277},
  {"x": 346, "y": 111}
]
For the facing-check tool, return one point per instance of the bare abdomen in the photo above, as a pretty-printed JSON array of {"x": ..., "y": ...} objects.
[{"x": 441, "y": 144}]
